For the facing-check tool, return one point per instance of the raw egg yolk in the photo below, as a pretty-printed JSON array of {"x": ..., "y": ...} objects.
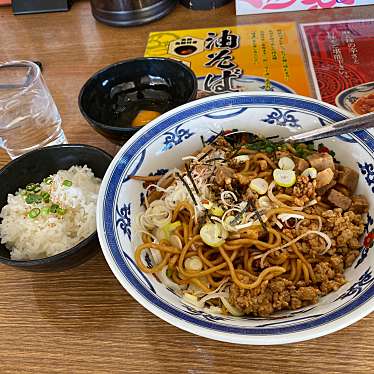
[{"x": 143, "y": 117}]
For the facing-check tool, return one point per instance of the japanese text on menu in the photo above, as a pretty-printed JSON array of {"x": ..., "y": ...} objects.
[{"x": 223, "y": 60}]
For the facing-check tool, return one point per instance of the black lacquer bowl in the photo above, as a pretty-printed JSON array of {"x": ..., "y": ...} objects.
[
  {"x": 112, "y": 97},
  {"x": 33, "y": 167}
]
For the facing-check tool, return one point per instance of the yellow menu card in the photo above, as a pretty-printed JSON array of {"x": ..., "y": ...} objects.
[{"x": 238, "y": 58}]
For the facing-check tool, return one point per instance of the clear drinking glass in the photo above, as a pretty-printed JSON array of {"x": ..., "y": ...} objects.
[{"x": 29, "y": 118}]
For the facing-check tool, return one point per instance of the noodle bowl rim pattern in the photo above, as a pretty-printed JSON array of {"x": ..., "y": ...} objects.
[{"x": 273, "y": 332}]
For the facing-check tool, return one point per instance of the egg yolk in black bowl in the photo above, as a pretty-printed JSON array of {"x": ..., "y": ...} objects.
[{"x": 136, "y": 106}]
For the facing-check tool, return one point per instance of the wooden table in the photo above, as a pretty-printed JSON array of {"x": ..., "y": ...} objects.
[{"x": 82, "y": 320}]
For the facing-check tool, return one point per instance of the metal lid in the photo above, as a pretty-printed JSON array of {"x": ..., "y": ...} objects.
[{"x": 130, "y": 12}]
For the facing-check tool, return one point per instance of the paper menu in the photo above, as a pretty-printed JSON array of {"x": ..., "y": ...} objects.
[
  {"x": 238, "y": 58},
  {"x": 340, "y": 56}
]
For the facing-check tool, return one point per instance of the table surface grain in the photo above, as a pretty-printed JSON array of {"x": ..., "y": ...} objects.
[{"x": 82, "y": 320}]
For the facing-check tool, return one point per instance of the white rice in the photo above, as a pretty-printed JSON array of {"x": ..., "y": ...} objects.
[{"x": 46, "y": 235}]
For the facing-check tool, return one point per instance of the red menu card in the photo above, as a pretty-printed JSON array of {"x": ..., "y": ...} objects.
[{"x": 341, "y": 58}]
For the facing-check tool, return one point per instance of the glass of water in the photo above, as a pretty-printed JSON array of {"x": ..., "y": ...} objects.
[{"x": 29, "y": 118}]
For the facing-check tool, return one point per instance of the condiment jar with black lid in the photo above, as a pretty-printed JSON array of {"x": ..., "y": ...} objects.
[{"x": 130, "y": 12}]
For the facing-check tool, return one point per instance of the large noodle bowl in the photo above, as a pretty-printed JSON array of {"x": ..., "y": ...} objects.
[{"x": 248, "y": 226}]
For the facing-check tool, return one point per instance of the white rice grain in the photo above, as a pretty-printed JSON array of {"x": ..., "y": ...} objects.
[{"x": 47, "y": 235}]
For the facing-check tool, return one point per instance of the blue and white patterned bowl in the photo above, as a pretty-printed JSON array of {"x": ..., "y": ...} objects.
[
  {"x": 348, "y": 97},
  {"x": 161, "y": 145}
]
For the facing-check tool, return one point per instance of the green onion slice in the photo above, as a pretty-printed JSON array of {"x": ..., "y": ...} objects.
[
  {"x": 45, "y": 211},
  {"x": 34, "y": 212},
  {"x": 269, "y": 149},
  {"x": 213, "y": 234},
  {"x": 46, "y": 196},
  {"x": 53, "y": 208},
  {"x": 169, "y": 273},
  {"x": 38, "y": 199},
  {"x": 37, "y": 188},
  {"x": 48, "y": 180},
  {"x": 67, "y": 183},
  {"x": 30, "y": 199},
  {"x": 30, "y": 187},
  {"x": 61, "y": 211}
]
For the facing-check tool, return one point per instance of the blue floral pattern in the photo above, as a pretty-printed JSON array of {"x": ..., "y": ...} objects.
[
  {"x": 364, "y": 251},
  {"x": 140, "y": 274},
  {"x": 368, "y": 171},
  {"x": 352, "y": 99},
  {"x": 226, "y": 115},
  {"x": 207, "y": 316},
  {"x": 287, "y": 321},
  {"x": 124, "y": 220},
  {"x": 280, "y": 118},
  {"x": 136, "y": 168},
  {"x": 358, "y": 287},
  {"x": 369, "y": 222},
  {"x": 175, "y": 137}
]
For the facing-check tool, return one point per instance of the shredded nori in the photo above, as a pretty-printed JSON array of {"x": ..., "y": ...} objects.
[
  {"x": 202, "y": 140},
  {"x": 253, "y": 142},
  {"x": 191, "y": 179},
  {"x": 257, "y": 214},
  {"x": 217, "y": 135},
  {"x": 187, "y": 187},
  {"x": 205, "y": 155},
  {"x": 272, "y": 137},
  {"x": 239, "y": 215}
]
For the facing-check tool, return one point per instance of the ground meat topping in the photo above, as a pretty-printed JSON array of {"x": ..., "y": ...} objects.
[
  {"x": 279, "y": 293},
  {"x": 351, "y": 257},
  {"x": 304, "y": 190},
  {"x": 273, "y": 295},
  {"x": 343, "y": 229}
]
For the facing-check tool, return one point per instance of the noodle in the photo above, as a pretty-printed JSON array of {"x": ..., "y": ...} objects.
[
  {"x": 298, "y": 270},
  {"x": 209, "y": 243}
]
